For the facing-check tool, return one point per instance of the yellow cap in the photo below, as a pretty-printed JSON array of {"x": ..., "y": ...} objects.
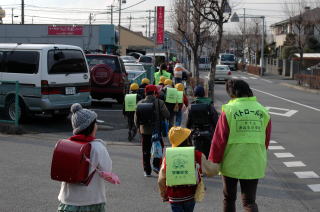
[
  {"x": 177, "y": 135},
  {"x": 145, "y": 81},
  {"x": 179, "y": 87},
  {"x": 162, "y": 79},
  {"x": 134, "y": 87},
  {"x": 168, "y": 82}
]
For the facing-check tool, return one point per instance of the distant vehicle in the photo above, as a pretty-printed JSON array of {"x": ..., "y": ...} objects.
[
  {"x": 223, "y": 73},
  {"x": 145, "y": 60},
  {"x": 51, "y": 76},
  {"x": 108, "y": 76},
  {"x": 159, "y": 58},
  {"x": 128, "y": 59},
  {"x": 204, "y": 63},
  {"x": 228, "y": 59},
  {"x": 134, "y": 70},
  {"x": 135, "y": 54}
]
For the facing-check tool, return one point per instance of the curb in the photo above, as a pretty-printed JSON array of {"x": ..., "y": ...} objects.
[{"x": 300, "y": 88}]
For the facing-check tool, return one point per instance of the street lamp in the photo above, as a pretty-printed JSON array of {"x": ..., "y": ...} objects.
[
  {"x": 120, "y": 3},
  {"x": 236, "y": 18}
]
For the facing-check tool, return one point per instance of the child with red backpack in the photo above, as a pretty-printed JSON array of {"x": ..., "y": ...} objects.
[
  {"x": 179, "y": 179},
  {"x": 90, "y": 197}
]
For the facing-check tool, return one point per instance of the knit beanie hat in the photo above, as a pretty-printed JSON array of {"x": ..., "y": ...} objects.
[
  {"x": 177, "y": 135},
  {"x": 81, "y": 118}
]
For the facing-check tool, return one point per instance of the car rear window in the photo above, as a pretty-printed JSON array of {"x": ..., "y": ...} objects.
[
  {"x": 26, "y": 62},
  {"x": 145, "y": 59},
  {"x": 134, "y": 68},
  {"x": 221, "y": 68},
  {"x": 227, "y": 57},
  {"x": 113, "y": 62},
  {"x": 66, "y": 61}
]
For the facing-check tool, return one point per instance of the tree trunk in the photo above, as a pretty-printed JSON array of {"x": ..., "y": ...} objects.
[
  {"x": 196, "y": 67},
  {"x": 214, "y": 59}
]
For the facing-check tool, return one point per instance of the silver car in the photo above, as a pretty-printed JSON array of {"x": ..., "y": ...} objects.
[
  {"x": 134, "y": 70},
  {"x": 223, "y": 73}
]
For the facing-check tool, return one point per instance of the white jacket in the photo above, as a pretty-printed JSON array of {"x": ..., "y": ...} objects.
[{"x": 95, "y": 192}]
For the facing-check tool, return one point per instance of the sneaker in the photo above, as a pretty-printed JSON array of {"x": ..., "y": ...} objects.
[
  {"x": 147, "y": 175},
  {"x": 156, "y": 170}
]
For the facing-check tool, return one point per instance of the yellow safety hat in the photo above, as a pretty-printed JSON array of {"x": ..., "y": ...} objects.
[
  {"x": 134, "y": 87},
  {"x": 177, "y": 135},
  {"x": 168, "y": 82},
  {"x": 145, "y": 81},
  {"x": 179, "y": 87},
  {"x": 162, "y": 79}
]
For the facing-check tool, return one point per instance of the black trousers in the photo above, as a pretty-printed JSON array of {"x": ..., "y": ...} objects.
[
  {"x": 146, "y": 154},
  {"x": 202, "y": 144},
  {"x": 248, "y": 194}
]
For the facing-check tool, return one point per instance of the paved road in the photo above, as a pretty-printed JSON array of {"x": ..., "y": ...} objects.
[{"x": 25, "y": 160}]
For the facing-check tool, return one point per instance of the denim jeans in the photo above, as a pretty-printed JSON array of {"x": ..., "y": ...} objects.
[
  {"x": 187, "y": 206},
  {"x": 178, "y": 118}
]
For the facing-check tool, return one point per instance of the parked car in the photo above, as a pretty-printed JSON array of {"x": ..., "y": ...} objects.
[
  {"x": 145, "y": 60},
  {"x": 223, "y": 73},
  {"x": 128, "y": 59},
  {"x": 204, "y": 63},
  {"x": 135, "y": 54},
  {"x": 108, "y": 76},
  {"x": 134, "y": 70},
  {"x": 51, "y": 77}
]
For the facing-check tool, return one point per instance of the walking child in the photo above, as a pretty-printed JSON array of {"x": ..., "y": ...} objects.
[
  {"x": 180, "y": 175},
  {"x": 79, "y": 197}
]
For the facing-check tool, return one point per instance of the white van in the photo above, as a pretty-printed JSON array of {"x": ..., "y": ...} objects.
[{"x": 51, "y": 77}]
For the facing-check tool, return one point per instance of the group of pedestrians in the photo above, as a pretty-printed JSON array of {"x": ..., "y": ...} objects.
[{"x": 233, "y": 144}]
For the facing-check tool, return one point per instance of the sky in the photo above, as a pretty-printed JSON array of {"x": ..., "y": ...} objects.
[{"x": 77, "y": 12}]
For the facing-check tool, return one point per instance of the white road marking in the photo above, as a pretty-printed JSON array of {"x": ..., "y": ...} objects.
[
  {"x": 314, "y": 187},
  {"x": 288, "y": 100},
  {"x": 288, "y": 112},
  {"x": 306, "y": 175},
  {"x": 268, "y": 81},
  {"x": 234, "y": 77},
  {"x": 284, "y": 155},
  {"x": 294, "y": 164},
  {"x": 104, "y": 110},
  {"x": 276, "y": 147},
  {"x": 244, "y": 77},
  {"x": 253, "y": 78},
  {"x": 273, "y": 142}
]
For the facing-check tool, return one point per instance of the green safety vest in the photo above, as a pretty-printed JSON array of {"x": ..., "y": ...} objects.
[
  {"x": 179, "y": 96},
  {"x": 245, "y": 156},
  {"x": 171, "y": 95},
  {"x": 157, "y": 76},
  {"x": 130, "y": 102},
  {"x": 180, "y": 166}
]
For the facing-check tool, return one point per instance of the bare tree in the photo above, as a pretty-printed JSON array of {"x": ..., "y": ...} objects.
[
  {"x": 193, "y": 29},
  {"x": 216, "y": 12},
  {"x": 298, "y": 23}
]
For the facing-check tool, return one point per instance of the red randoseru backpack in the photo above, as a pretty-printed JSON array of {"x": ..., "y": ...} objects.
[{"x": 69, "y": 162}]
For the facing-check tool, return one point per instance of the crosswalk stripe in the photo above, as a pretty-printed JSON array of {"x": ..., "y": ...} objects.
[
  {"x": 284, "y": 155},
  {"x": 253, "y": 78},
  {"x": 244, "y": 77},
  {"x": 314, "y": 187},
  {"x": 275, "y": 147},
  {"x": 306, "y": 175},
  {"x": 294, "y": 164},
  {"x": 234, "y": 77}
]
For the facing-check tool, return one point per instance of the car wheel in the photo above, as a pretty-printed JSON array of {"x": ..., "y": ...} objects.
[{"x": 10, "y": 110}]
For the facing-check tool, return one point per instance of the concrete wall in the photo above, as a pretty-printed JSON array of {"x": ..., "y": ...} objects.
[{"x": 273, "y": 66}]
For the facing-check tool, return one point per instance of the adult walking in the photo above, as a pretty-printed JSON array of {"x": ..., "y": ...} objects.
[
  {"x": 148, "y": 117},
  {"x": 162, "y": 72},
  {"x": 239, "y": 144}
]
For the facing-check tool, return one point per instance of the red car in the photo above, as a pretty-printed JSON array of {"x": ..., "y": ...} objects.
[{"x": 108, "y": 76}]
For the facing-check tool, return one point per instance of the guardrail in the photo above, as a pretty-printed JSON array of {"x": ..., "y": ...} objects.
[{"x": 17, "y": 109}]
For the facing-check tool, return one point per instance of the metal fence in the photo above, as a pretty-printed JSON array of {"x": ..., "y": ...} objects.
[{"x": 7, "y": 87}]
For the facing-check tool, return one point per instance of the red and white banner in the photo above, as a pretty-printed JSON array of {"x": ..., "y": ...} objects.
[
  {"x": 65, "y": 30},
  {"x": 160, "y": 25}
]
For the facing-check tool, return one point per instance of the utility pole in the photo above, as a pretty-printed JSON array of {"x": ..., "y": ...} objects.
[
  {"x": 111, "y": 8},
  {"x": 244, "y": 34},
  {"x": 130, "y": 18},
  {"x": 262, "y": 47},
  {"x": 149, "y": 23},
  {"x": 120, "y": 1},
  {"x": 90, "y": 18},
  {"x": 22, "y": 11},
  {"x": 11, "y": 15}
]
